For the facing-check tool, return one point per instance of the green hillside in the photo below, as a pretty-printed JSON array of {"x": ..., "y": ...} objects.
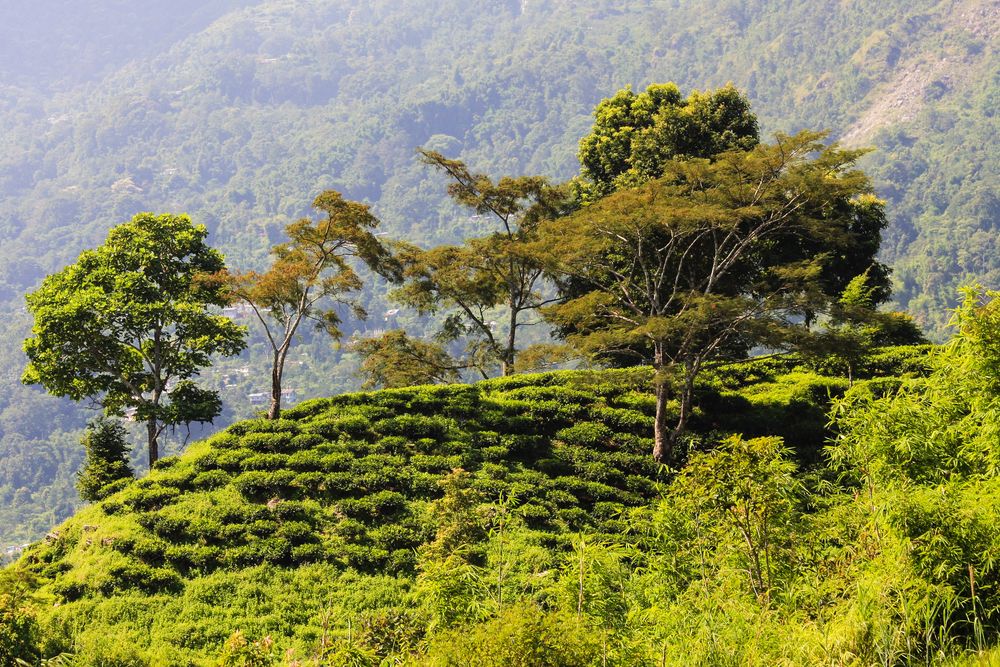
[
  {"x": 239, "y": 112},
  {"x": 372, "y": 526}
]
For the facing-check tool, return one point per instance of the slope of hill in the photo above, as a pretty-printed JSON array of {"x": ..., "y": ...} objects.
[
  {"x": 242, "y": 113},
  {"x": 394, "y": 513}
]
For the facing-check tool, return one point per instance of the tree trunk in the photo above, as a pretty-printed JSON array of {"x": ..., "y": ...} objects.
[
  {"x": 277, "y": 368},
  {"x": 686, "y": 400},
  {"x": 662, "y": 443},
  {"x": 507, "y": 363},
  {"x": 662, "y": 446},
  {"x": 154, "y": 447}
]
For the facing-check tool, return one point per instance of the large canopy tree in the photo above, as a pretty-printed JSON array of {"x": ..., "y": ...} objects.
[
  {"x": 636, "y": 136},
  {"x": 130, "y": 324},
  {"x": 714, "y": 257},
  {"x": 311, "y": 276}
]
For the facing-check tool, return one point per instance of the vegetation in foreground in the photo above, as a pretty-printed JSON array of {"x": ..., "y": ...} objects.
[{"x": 521, "y": 521}]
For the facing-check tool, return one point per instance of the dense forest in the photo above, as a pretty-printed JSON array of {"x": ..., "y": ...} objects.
[{"x": 239, "y": 113}]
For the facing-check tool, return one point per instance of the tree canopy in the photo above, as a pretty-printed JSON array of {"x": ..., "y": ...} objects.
[
  {"x": 311, "y": 276},
  {"x": 129, "y": 325},
  {"x": 488, "y": 287},
  {"x": 711, "y": 259},
  {"x": 635, "y": 135}
]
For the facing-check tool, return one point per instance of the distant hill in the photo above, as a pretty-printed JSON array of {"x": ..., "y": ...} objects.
[{"x": 239, "y": 112}]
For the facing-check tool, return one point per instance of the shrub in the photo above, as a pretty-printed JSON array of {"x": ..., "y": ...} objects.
[
  {"x": 306, "y": 461},
  {"x": 275, "y": 550},
  {"x": 623, "y": 420},
  {"x": 525, "y": 445},
  {"x": 247, "y": 555},
  {"x": 206, "y": 461},
  {"x": 116, "y": 486},
  {"x": 139, "y": 497},
  {"x": 338, "y": 484},
  {"x": 392, "y": 444},
  {"x": 432, "y": 463},
  {"x": 557, "y": 393},
  {"x": 258, "y": 483},
  {"x": 292, "y": 510},
  {"x": 310, "y": 552},
  {"x": 268, "y": 442},
  {"x": 106, "y": 459},
  {"x": 211, "y": 479},
  {"x": 135, "y": 575},
  {"x": 193, "y": 556},
  {"x": 639, "y": 401},
  {"x": 306, "y": 441},
  {"x": 295, "y": 532},
  {"x": 395, "y": 536},
  {"x": 586, "y": 434},
  {"x": 179, "y": 477},
  {"x": 261, "y": 527},
  {"x": 166, "y": 462},
  {"x": 232, "y": 460},
  {"x": 496, "y": 453},
  {"x": 168, "y": 526},
  {"x": 264, "y": 462},
  {"x": 413, "y": 426},
  {"x": 380, "y": 505},
  {"x": 238, "y": 651},
  {"x": 535, "y": 514},
  {"x": 309, "y": 482},
  {"x": 354, "y": 426},
  {"x": 401, "y": 560},
  {"x": 560, "y": 497},
  {"x": 225, "y": 440},
  {"x": 249, "y": 426},
  {"x": 339, "y": 462},
  {"x": 490, "y": 486},
  {"x": 351, "y": 529},
  {"x": 553, "y": 413},
  {"x": 424, "y": 485},
  {"x": 522, "y": 636},
  {"x": 642, "y": 486},
  {"x": 19, "y": 632}
]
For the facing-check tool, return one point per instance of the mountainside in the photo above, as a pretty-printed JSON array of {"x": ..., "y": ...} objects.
[
  {"x": 389, "y": 512},
  {"x": 240, "y": 112}
]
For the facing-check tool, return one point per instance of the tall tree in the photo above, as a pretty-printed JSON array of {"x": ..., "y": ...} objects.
[
  {"x": 129, "y": 325},
  {"x": 636, "y": 134},
  {"x": 310, "y": 276},
  {"x": 699, "y": 264},
  {"x": 496, "y": 271}
]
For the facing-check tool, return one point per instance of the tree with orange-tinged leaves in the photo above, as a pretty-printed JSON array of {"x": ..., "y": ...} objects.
[
  {"x": 310, "y": 276},
  {"x": 711, "y": 259}
]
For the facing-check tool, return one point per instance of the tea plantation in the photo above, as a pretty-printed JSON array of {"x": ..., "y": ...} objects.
[{"x": 324, "y": 526}]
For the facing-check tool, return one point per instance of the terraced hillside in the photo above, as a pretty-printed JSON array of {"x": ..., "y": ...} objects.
[{"x": 300, "y": 529}]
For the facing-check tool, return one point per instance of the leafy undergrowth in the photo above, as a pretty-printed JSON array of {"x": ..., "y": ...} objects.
[{"x": 393, "y": 516}]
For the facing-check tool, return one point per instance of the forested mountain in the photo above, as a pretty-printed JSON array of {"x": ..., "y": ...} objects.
[{"x": 240, "y": 112}]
